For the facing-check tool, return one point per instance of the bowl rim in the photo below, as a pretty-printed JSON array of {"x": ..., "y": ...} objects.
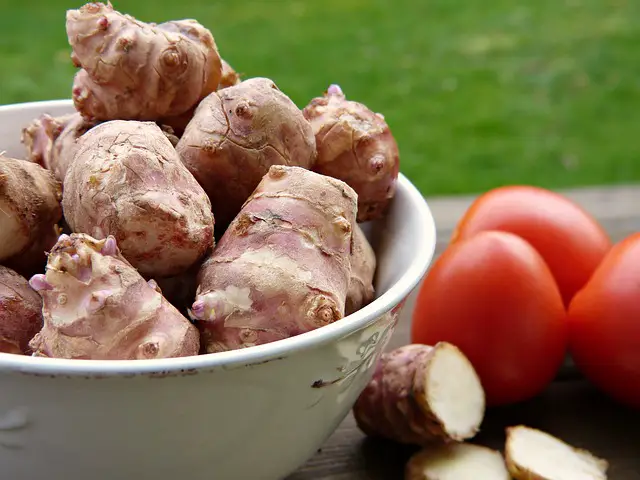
[{"x": 397, "y": 293}]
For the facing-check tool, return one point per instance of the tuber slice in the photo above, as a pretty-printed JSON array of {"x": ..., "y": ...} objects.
[
  {"x": 532, "y": 454},
  {"x": 236, "y": 134},
  {"x": 363, "y": 267},
  {"x": 51, "y": 141},
  {"x": 229, "y": 76},
  {"x": 29, "y": 212},
  {"x": 420, "y": 394},
  {"x": 355, "y": 145},
  {"x": 127, "y": 180},
  {"x": 20, "y": 312},
  {"x": 97, "y": 306},
  {"x": 282, "y": 267},
  {"x": 456, "y": 461},
  {"x": 132, "y": 70}
]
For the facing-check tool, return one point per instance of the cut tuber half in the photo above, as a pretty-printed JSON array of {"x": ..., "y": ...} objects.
[
  {"x": 532, "y": 454},
  {"x": 457, "y": 461},
  {"x": 420, "y": 394}
]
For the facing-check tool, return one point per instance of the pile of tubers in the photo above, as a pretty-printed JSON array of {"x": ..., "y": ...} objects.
[{"x": 182, "y": 210}]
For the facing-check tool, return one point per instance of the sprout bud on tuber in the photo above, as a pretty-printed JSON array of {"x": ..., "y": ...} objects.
[{"x": 97, "y": 306}]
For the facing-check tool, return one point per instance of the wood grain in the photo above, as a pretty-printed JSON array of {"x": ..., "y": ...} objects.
[{"x": 570, "y": 408}]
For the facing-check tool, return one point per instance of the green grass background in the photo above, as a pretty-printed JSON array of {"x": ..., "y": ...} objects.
[{"x": 479, "y": 93}]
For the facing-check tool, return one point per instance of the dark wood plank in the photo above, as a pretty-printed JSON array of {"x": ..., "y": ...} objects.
[{"x": 570, "y": 408}]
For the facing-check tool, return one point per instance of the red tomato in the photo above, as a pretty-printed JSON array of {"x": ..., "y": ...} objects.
[
  {"x": 604, "y": 324},
  {"x": 494, "y": 297},
  {"x": 570, "y": 240}
]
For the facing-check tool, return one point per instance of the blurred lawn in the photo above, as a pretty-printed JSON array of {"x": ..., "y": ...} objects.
[{"x": 479, "y": 93}]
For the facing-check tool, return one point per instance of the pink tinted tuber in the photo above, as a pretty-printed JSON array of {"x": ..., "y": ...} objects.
[
  {"x": 355, "y": 145},
  {"x": 97, "y": 306},
  {"x": 132, "y": 70},
  {"x": 29, "y": 213},
  {"x": 363, "y": 268},
  {"x": 20, "y": 312},
  {"x": 421, "y": 394},
  {"x": 282, "y": 267},
  {"x": 127, "y": 180},
  {"x": 236, "y": 134},
  {"x": 51, "y": 141}
]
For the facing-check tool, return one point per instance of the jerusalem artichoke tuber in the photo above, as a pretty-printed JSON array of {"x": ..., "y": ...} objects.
[
  {"x": 355, "y": 145},
  {"x": 30, "y": 207},
  {"x": 20, "y": 312},
  {"x": 51, "y": 141},
  {"x": 532, "y": 454},
  {"x": 126, "y": 180},
  {"x": 282, "y": 267},
  {"x": 132, "y": 70},
  {"x": 236, "y": 134},
  {"x": 420, "y": 394},
  {"x": 363, "y": 267},
  {"x": 97, "y": 306},
  {"x": 456, "y": 461}
]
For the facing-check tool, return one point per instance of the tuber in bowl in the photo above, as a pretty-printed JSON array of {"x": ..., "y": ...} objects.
[{"x": 256, "y": 413}]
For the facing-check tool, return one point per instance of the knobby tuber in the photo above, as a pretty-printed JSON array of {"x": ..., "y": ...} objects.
[
  {"x": 132, "y": 70},
  {"x": 229, "y": 76},
  {"x": 532, "y": 454},
  {"x": 421, "y": 394},
  {"x": 355, "y": 145},
  {"x": 363, "y": 267},
  {"x": 282, "y": 267},
  {"x": 97, "y": 306},
  {"x": 456, "y": 461},
  {"x": 236, "y": 134},
  {"x": 51, "y": 141},
  {"x": 127, "y": 180},
  {"x": 29, "y": 213},
  {"x": 20, "y": 312}
]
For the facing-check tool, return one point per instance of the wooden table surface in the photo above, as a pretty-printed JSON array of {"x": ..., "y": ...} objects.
[{"x": 570, "y": 408}]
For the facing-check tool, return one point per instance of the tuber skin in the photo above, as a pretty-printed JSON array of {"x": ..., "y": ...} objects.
[
  {"x": 406, "y": 398},
  {"x": 355, "y": 145},
  {"x": 51, "y": 141},
  {"x": 127, "y": 180},
  {"x": 29, "y": 213},
  {"x": 282, "y": 267},
  {"x": 363, "y": 267},
  {"x": 229, "y": 76},
  {"x": 96, "y": 306},
  {"x": 236, "y": 134},
  {"x": 132, "y": 70},
  {"x": 20, "y": 312}
]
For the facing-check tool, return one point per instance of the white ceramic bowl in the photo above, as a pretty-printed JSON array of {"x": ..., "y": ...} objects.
[{"x": 257, "y": 413}]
